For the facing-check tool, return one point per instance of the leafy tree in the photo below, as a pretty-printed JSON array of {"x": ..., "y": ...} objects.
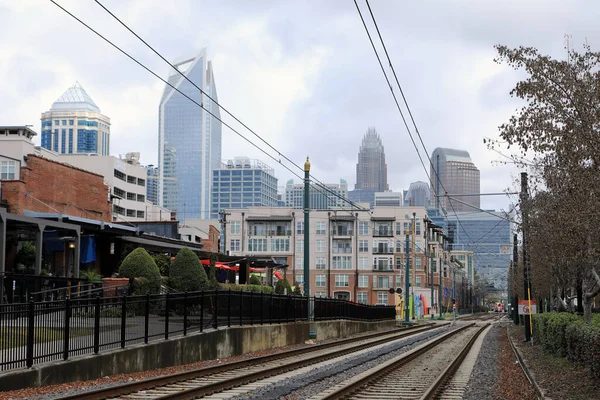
[
  {"x": 26, "y": 256},
  {"x": 139, "y": 265},
  {"x": 283, "y": 285},
  {"x": 557, "y": 133},
  {"x": 186, "y": 272},
  {"x": 254, "y": 280},
  {"x": 163, "y": 262}
]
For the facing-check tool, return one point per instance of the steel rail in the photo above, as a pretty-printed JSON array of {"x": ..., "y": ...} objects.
[
  {"x": 156, "y": 382},
  {"x": 378, "y": 372},
  {"x": 451, "y": 369}
]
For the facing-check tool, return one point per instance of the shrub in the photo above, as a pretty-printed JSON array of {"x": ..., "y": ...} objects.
[
  {"x": 550, "y": 331},
  {"x": 254, "y": 280},
  {"x": 281, "y": 287},
  {"x": 139, "y": 264},
  {"x": 186, "y": 273},
  {"x": 246, "y": 288},
  {"x": 91, "y": 275},
  {"x": 163, "y": 262}
]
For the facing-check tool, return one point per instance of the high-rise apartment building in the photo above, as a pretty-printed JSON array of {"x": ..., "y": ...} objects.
[
  {"x": 74, "y": 124},
  {"x": 320, "y": 199},
  {"x": 242, "y": 183},
  {"x": 456, "y": 174},
  {"x": 152, "y": 179},
  {"x": 371, "y": 170},
  {"x": 189, "y": 138},
  {"x": 418, "y": 194}
]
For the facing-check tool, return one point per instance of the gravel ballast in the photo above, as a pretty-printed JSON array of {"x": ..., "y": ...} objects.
[{"x": 482, "y": 385}]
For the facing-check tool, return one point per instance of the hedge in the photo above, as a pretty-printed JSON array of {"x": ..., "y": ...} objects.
[
  {"x": 186, "y": 273},
  {"x": 564, "y": 334},
  {"x": 246, "y": 288}
]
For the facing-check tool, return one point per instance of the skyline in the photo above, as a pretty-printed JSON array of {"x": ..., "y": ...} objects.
[{"x": 300, "y": 92}]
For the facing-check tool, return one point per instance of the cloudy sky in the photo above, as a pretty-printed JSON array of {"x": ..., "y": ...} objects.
[{"x": 300, "y": 73}]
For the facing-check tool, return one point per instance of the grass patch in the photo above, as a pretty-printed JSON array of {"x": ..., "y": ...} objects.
[{"x": 15, "y": 337}]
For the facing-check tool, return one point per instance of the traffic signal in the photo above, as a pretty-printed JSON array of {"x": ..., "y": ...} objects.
[
  {"x": 399, "y": 290},
  {"x": 392, "y": 290}
]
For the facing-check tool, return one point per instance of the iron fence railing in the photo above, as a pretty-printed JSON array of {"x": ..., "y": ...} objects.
[{"x": 38, "y": 332}]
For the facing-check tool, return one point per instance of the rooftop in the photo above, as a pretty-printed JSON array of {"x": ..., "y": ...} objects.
[{"x": 75, "y": 98}]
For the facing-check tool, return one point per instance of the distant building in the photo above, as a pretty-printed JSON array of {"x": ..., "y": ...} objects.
[
  {"x": 388, "y": 199},
  {"x": 418, "y": 194},
  {"x": 152, "y": 179},
  {"x": 242, "y": 183},
  {"x": 457, "y": 175},
  {"x": 362, "y": 196},
  {"x": 371, "y": 170},
  {"x": 189, "y": 138},
  {"x": 320, "y": 198},
  {"x": 74, "y": 124}
]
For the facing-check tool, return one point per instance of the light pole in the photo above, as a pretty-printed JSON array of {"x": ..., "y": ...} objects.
[
  {"x": 307, "y": 236},
  {"x": 412, "y": 286},
  {"x": 406, "y": 274}
]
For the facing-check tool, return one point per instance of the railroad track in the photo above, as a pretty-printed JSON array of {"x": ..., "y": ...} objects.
[
  {"x": 204, "y": 381},
  {"x": 426, "y": 372}
]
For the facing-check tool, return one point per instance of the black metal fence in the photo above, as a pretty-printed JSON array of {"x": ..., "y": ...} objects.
[{"x": 38, "y": 332}]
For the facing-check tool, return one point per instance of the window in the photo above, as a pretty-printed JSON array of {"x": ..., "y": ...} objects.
[
  {"x": 71, "y": 122},
  {"x": 398, "y": 281},
  {"x": 64, "y": 122},
  {"x": 418, "y": 229},
  {"x": 417, "y": 262},
  {"x": 119, "y": 192},
  {"x": 119, "y": 175},
  {"x": 300, "y": 280},
  {"x": 321, "y": 227},
  {"x": 363, "y": 228},
  {"x": 363, "y": 281},
  {"x": 320, "y": 245},
  {"x": 382, "y": 282},
  {"x": 299, "y": 245},
  {"x": 299, "y": 262},
  {"x": 235, "y": 227},
  {"x": 8, "y": 170},
  {"x": 398, "y": 246},
  {"x": 70, "y": 141},
  {"x": 363, "y": 246},
  {"x": 140, "y": 214},
  {"x": 130, "y": 213},
  {"x": 341, "y": 281},
  {"x": 141, "y": 182},
  {"x": 321, "y": 263},
  {"x": 56, "y": 122},
  {"x": 280, "y": 244},
  {"x": 320, "y": 294},
  {"x": 361, "y": 297},
  {"x": 63, "y": 141},
  {"x": 342, "y": 262},
  {"x": 399, "y": 228},
  {"x": 418, "y": 281},
  {"x": 118, "y": 209},
  {"x": 399, "y": 263},
  {"x": 363, "y": 263},
  {"x": 141, "y": 197},
  {"x": 320, "y": 280},
  {"x": 234, "y": 245},
  {"x": 300, "y": 228},
  {"x": 131, "y": 179},
  {"x": 382, "y": 297},
  {"x": 257, "y": 244},
  {"x": 130, "y": 196}
]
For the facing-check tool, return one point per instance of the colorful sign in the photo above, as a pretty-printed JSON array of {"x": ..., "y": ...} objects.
[{"x": 524, "y": 307}]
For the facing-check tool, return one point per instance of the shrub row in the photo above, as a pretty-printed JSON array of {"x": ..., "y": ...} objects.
[
  {"x": 246, "y": 288},
  {"x": 564, "y": 334}
]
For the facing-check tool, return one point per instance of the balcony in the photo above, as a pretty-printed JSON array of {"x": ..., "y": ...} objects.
[
  {"x": 341, "y": 250},
  {"x": 342, "y": 232},
  {"x": 280, "y": 233},
  {"x": 383, "y": 232},
  {"x": 383, "y": 250},
  {"x": 382, "y": 268}
]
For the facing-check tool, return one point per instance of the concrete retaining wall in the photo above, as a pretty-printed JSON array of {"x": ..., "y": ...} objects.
[{"x": 208, "y": 345}]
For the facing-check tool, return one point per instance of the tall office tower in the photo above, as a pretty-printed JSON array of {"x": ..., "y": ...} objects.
[
  {"x": 457, "y": 175},
  {"x": 371, "y": 170},
  {"x": 152, "y": 184},
  {"x": 418, "y": 194},
  {"x": 242, "y": 183},
  {"x": 74, "y": 124},
  {"x": 320, "y": 199},
  {"x": 189, "y": 138}
]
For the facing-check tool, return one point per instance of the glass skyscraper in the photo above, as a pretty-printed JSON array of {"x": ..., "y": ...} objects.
[
  {"x": 242, "y": 183},
  {"x": 457, "y": 175},
  {"x": 152, "y": 184},
  {"x": 320, "y": 199},
  {"x": 189, "y": 139},
  {"x": 417, "y": 195},
  {"x": 74, "y": 124},
  {"x": 371, "y": 170}
]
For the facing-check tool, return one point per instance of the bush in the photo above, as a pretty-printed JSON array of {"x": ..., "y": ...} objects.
[
  {"x": 254, "y": 280},
  {"x": 163, "y": 262},
  {"x": 281, "y": 287},
  {"x": 246, "y": 288},
  {"x": 186, "y": 272},
  {"x": 550, "y": 331},
  {"x": 91, "y": 275},
  {"x": 138, "y": 264}
]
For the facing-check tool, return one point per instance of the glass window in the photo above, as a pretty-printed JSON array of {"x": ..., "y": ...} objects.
[
  {"x": 363, "y": 281},
  {"x": 56, "y": 122},
  {"x": 363, "y": 228},
  {"x": 382, "y": 282},
  {"x": 300, "y": 280},
  {"x": 418, "y": 281},
  {"x": 300, "y": 228},
  {"x": 417, "y": 262},
  {"x": 363, "y": 246},
  {"x": 320, "y": 245},
  {"x": 257, "y": 244},
  {"x": 299, "y": 245},
  {"x": 280, "y": 244},
  {"x": 363, "y": 263},
  {"x": 321, "y": 227},
  {"x": 320, "y": 281},
  {"x": 234, "y": 245},
  {"x": 7, "y": 170},
  {"x": 382, "y": 298},
  {"x": 341, "y": 281},
  {"x": 71, "y": 122},
  {"x": 342, "y": 262},
  {"x": 321, "y": 263},
  {"x": 64, "y": 122},
  {"x": 235, "y": 227},
  {"x": 361, "y": 297},
  {"x": 299, "y": 262}
]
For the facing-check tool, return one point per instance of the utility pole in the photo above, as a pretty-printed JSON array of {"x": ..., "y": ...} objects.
[
  {"x": 414, "y": 227},
  {"x": 526, "y": 273},
  {"x": 454, "y": 290},
  {"x": 406, "y": 275},
  {"x": 441, "y": 284},
  {"x": 223, "y": 220},
  {"x": 307, "y": 236},
  {"x": 515, "y": 296}
]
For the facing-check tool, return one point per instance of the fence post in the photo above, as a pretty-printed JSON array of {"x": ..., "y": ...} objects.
[
  {"x": 167, "y": 304},
  {"x": 185, "y": 301},
  {"x": 201, "y": 310},
  {"x": 66, "y": 330},
  {"x": 229, "y": 308},
  {"x": 123, "y": 320},
  {"x": 216, "y": 310},
  {"x": 146, "y": 317},
  {"x": 241, "y": 306},
  {"x": 271, "y": 310},
  {"x": 251, "y": 309},
  {"x": 261, "y": 306},
  {"x": 30, "y": 332},
  {"x": 97, "y": 324}
]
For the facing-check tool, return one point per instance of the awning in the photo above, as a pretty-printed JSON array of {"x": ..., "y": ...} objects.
[
  {"x": 159, "y": 245},
  {"x": 269, "y": 218}
]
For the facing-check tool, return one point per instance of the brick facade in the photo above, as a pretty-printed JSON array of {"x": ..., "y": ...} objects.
[
  {"x": 212, "y": 243},
  {"x": 48, "y": 186}
]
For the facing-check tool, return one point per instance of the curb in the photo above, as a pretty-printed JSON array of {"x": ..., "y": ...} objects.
[{"x": 540, "y": 392}]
